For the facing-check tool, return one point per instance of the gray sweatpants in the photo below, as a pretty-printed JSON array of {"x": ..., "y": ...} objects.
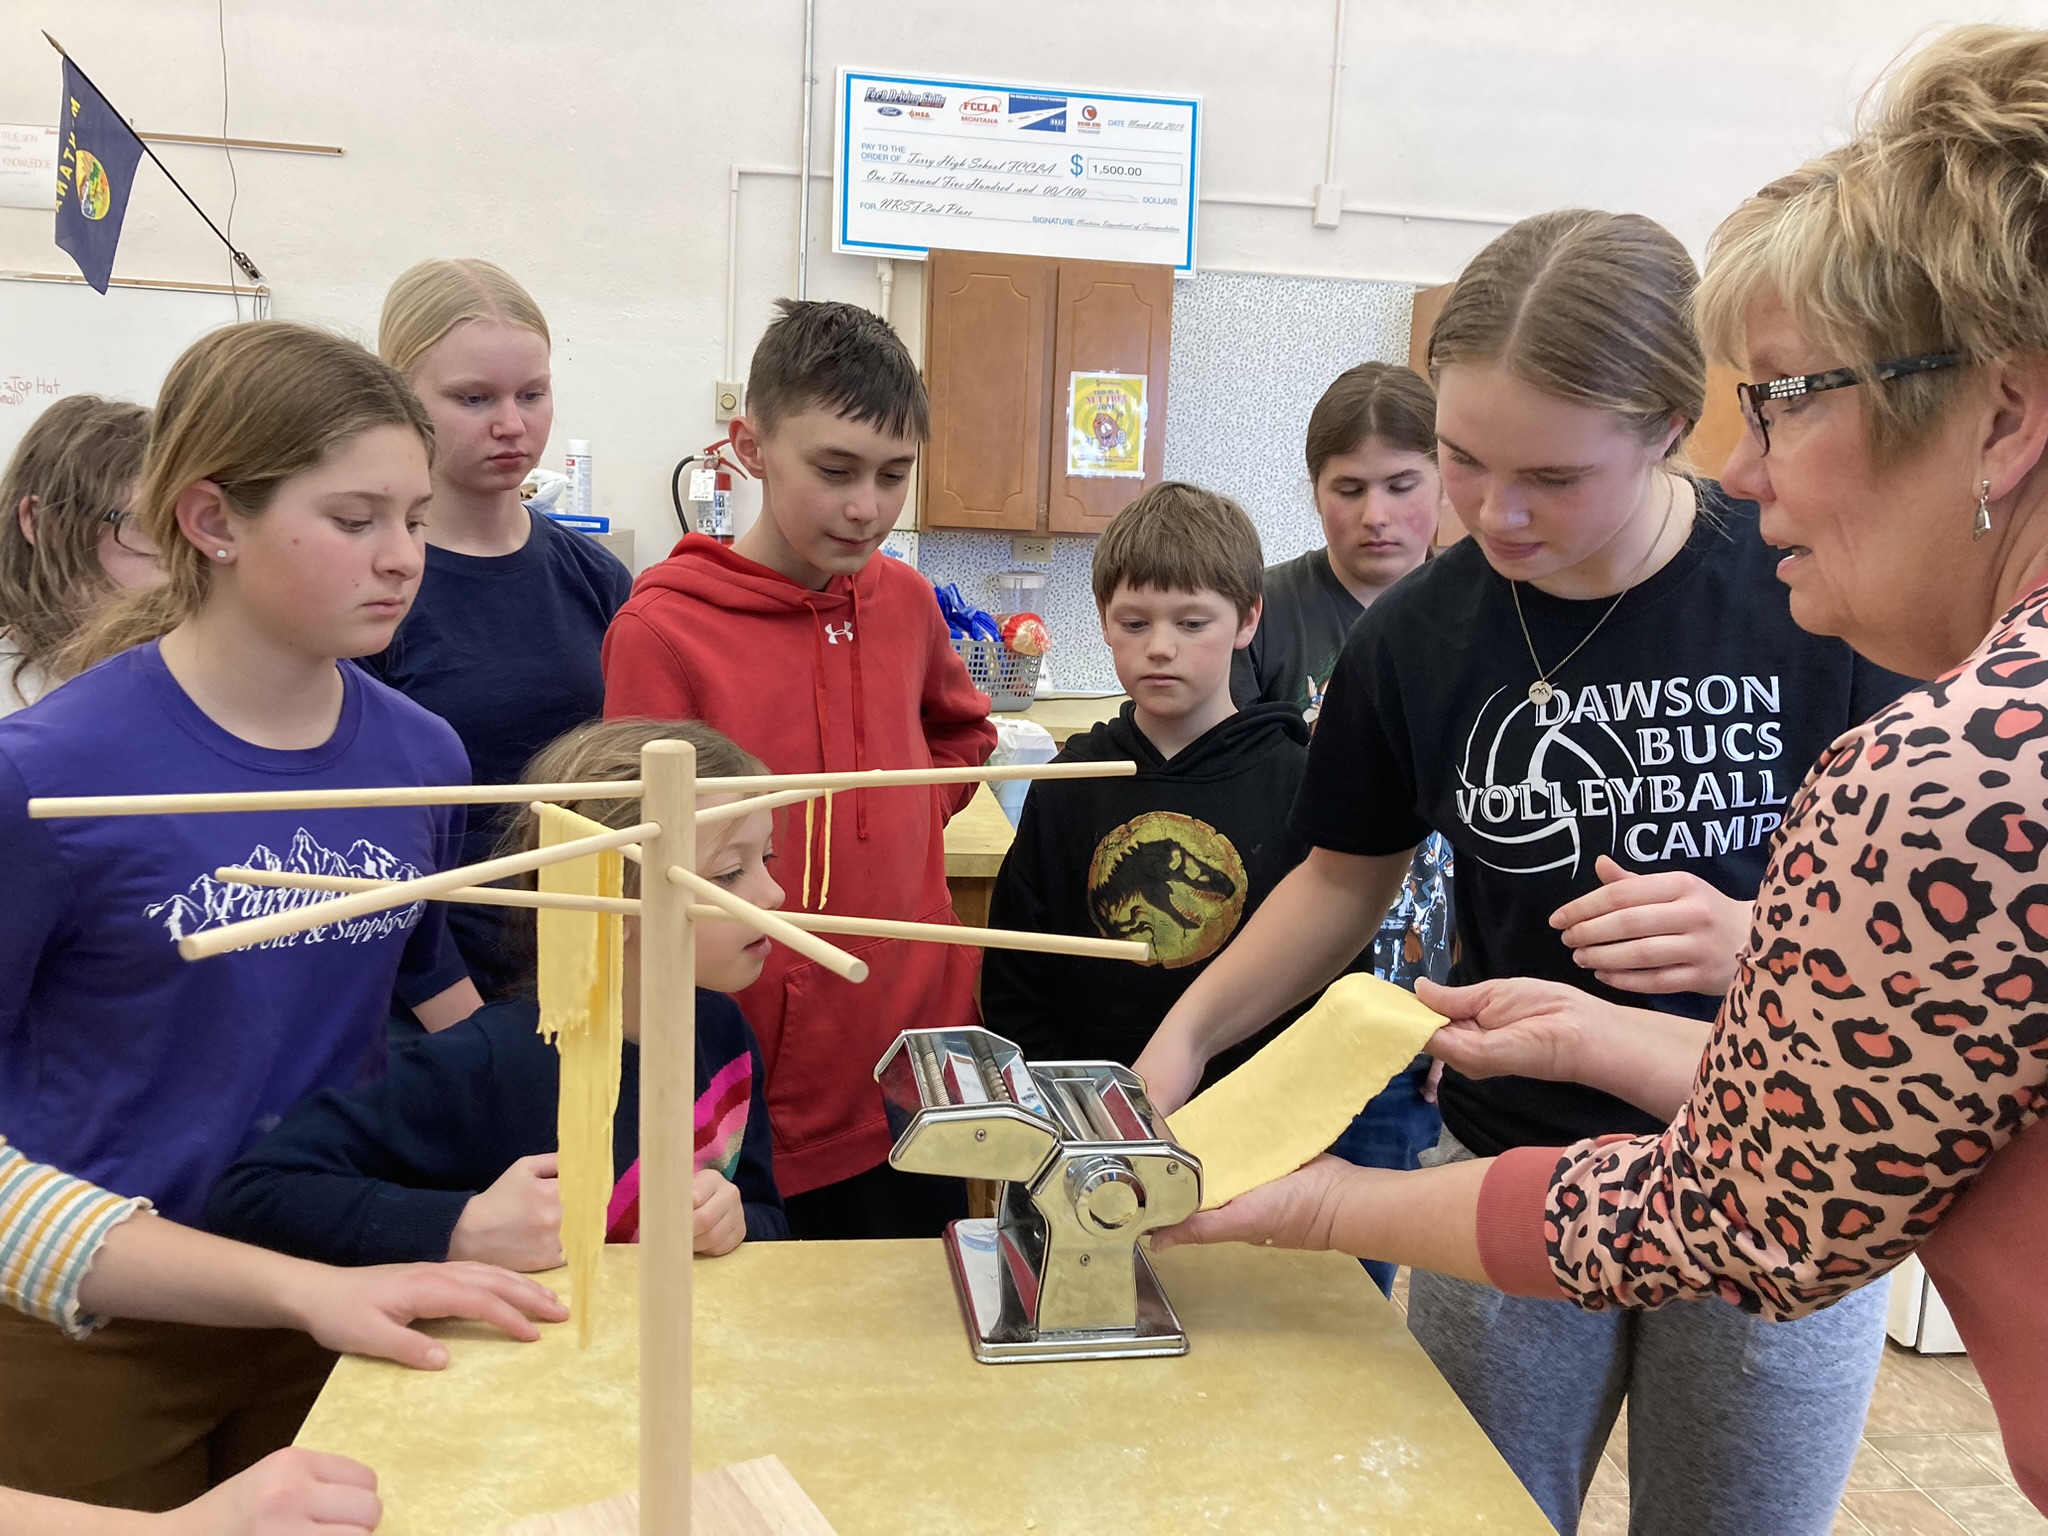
[{"x": 1734, "y": 1424}]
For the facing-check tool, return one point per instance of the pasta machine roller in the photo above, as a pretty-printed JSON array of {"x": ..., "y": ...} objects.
[{"x": 1084, "y": 1167}]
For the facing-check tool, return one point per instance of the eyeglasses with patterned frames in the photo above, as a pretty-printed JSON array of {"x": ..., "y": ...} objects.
[
  {"x": 127, "y": 534},
  {"x": 1755, "y": 397}
]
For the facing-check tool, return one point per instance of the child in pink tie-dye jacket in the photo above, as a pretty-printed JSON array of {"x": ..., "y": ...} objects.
[{"x": 451, "y": 1154}]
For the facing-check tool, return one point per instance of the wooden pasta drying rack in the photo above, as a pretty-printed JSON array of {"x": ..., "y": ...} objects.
[{"x": 665, "y": 840}]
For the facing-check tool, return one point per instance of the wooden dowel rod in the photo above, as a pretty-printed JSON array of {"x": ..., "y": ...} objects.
[
  {"x": 475, "y": 895},
  {"x": 668, "y": 1098},
  {"x": 781, "y": 929},
  {"x": 949, "y": 933},
  {"x": 885, "y": 778},
  {"x": 328, "y": 799},
  {"x": 45, "y": 807},
  {"x": 810, "y": 922},
  {"x": 396, "y": 893},
  {"x": 753, "y": 803}
]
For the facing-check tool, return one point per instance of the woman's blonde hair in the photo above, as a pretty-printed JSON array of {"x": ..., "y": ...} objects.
[
  {"x": 76, "y": 463},
  {"x": 1591, "y": 308},
  {"x": 604, "y": 751},
  {"x": 1928, "y": 232},
  {"x": 247, "y": 408},
  {"x": 432, "y": 298}
]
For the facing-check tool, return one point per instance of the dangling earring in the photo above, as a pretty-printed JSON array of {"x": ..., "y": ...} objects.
[{"x": 1983, "y": 523}]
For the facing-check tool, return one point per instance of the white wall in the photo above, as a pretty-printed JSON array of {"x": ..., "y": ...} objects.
[{"x": 588, "y": 147}]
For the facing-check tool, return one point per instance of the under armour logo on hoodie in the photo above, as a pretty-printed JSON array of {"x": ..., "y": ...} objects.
[{"x": 834, "y": 633}]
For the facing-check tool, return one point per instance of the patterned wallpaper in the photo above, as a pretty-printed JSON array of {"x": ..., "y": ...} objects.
[{"x": 1251, "y": 355}]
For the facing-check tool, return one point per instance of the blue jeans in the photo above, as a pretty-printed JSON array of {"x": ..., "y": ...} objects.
[{"x": 1392, "y": 1131}]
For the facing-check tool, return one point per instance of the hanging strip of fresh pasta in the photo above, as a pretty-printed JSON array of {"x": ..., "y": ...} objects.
[
  {"x": 581, "y": 977},
  {"x": 809, "y": 807},
  {"x": 825, "y": 883}
]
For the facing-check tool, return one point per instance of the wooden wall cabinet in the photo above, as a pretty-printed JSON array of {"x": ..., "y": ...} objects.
[{"x": 1003, "y": 335}]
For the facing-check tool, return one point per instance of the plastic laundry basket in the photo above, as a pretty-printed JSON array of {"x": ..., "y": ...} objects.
[{"x": 1009, "y": 680}]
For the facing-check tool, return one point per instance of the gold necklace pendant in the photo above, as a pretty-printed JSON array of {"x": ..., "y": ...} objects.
[{"x": 1540, "y": 691}]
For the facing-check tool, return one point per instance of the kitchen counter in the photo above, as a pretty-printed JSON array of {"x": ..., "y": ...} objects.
[
  {"x": 977, "y": 838},
  {"x": 1302, "y": 1405},
  {"x": 980, "y": 835}
]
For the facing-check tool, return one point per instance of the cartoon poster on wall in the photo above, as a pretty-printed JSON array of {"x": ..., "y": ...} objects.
[{"x": 1106, "y": 425}]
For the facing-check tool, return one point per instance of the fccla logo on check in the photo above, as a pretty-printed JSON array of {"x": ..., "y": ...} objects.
[{"x": 980, "y": 109}]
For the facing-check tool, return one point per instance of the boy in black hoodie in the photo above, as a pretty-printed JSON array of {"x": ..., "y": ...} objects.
[{"x": 1181, "y": 854}]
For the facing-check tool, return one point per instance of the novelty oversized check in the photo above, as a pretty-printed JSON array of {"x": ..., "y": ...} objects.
[{"x": 1025, "y": 170}]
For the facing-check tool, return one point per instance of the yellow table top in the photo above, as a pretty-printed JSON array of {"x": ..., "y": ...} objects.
[
  {"x": 977, "y": 838},
  {"x": 1303, "y": 1405}
]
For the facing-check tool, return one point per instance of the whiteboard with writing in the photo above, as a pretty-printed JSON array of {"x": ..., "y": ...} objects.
[
  {"x": 28, "y": 166},
  {"x": 63, "y": 339},
  {"x": 1023, "y": 170}
]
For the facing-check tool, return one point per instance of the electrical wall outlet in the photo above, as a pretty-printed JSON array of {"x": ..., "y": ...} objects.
[
  {"x": 1033, "y": 550},
  {"x": 1329, "y": 206},
  {"x": 728, "y": 396}
]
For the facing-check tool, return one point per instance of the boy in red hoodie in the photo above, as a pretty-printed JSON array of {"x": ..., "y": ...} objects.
[{"x": 815, "y": 656}]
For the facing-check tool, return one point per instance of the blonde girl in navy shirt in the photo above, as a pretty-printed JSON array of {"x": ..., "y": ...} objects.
[
  {"x": 285, "y": 486},
  {"x": 503, "y": 642}
]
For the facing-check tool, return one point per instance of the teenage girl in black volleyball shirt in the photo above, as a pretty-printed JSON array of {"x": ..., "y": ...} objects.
[{"x": 1600, "y": 699}]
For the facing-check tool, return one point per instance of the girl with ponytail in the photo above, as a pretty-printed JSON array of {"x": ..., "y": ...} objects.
[{"x": 284, "y": 488}]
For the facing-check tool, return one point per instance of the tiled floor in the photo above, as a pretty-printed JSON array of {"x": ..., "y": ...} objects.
[{"x": 1931, "y": 1462}]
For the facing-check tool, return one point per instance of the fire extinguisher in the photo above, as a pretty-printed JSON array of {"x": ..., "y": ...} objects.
[{"x": 710, "y": 510}]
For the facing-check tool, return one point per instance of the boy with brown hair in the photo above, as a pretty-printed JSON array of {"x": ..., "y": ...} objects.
[
  {"x": 1182, "y": 853},
  {"x": 816, "y": 657}
]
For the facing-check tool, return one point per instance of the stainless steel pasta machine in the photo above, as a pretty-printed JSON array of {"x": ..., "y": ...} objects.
[{"x": 1085, "y": 1168}]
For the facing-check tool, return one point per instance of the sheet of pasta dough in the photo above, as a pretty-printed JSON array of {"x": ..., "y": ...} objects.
[
  {"x": 1296, "y": 1096},
  {"x": 581, "y": 976}
]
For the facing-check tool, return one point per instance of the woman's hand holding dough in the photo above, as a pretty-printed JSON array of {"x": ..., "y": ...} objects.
[
  {"x": 517, "y": 1222},
  {"x": 1668, "y": 932},
  {"x": 721, "y": 1220},
  {"x": 1298, "y": 1211},
  {"x": 1518, "y": 1027}
]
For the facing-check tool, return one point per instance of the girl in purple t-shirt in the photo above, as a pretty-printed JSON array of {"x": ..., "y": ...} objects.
[{"x": 285, "y": 484}]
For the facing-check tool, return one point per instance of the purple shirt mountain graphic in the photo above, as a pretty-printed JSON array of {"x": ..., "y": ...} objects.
[{"x": 210, "y": 903}]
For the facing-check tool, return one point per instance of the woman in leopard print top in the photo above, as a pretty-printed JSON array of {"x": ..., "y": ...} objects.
[{"x": 1876, "y": 1080}]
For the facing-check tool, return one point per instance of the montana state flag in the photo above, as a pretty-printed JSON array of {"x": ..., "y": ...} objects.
[{"x": 96, "y": 164}]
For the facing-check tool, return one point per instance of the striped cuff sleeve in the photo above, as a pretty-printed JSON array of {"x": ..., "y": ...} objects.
[{"x": 51, "y": 1226}]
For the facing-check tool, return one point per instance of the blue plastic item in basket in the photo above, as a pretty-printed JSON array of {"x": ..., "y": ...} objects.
[
  {"x": 963, "y": 620},
  {"x": 1010, "y": 680}
]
